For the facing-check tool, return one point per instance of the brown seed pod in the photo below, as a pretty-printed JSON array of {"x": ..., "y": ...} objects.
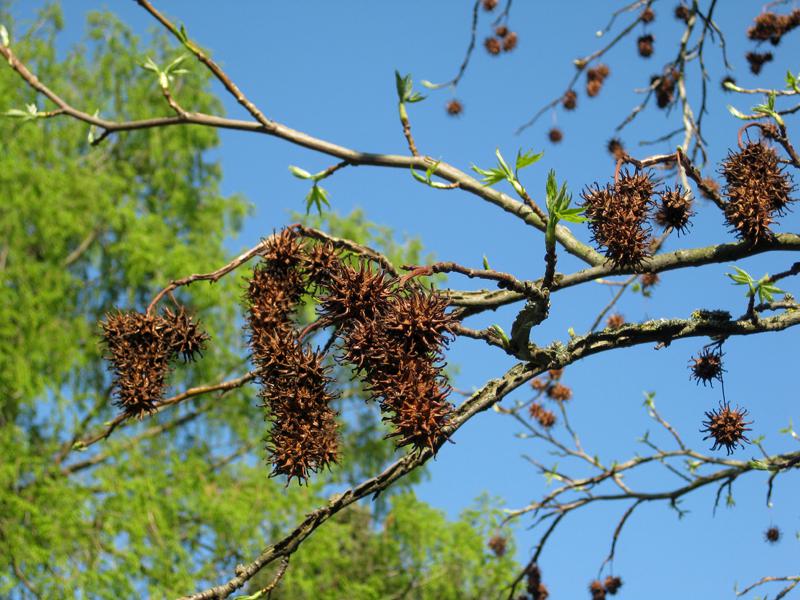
[
  {"x": 617, "y": 217},
  {"x": 597, "y": 590},
  {"x": 772, "y": 535},
  {"x": 649, "y": 280},
  {"x": 593, "y": 87},
  {"x": 544, "y": 417},
  {"x": 612, "y": 584},
  {"x": 707, "y": 366},
  {"x": 139, "y": 348},
  {"x": 615, "y": 148},
  {"x": 555, "y": 373},
  {"x": 489, "y": 5},
  {"x": 771, "y": 26},
  {"x": 647, "y": 16},
  {"x": 185, "y": 336},
  {"x": 570, "y": 100},
  {"x": 727, "y": 427},
  {"x": 758, "y": 191},
  {"x": 756, "y": 60},
  {"x": 644, "y": 45},
  {"x": 555, "y": 135},
  {"x": 492, "y": 46},
  {"x": 497, "y": 544},
  {"x": 674, "y": 209},
  {"x": 683, "y": 13},
  {"x": 665, "y": 87},
  {"x": 509, "y": 41},
  {"x": 454, "y": 108},
  {"x": 501, "y": 31},
  {"x": 615, "y": 321},
  {"x": 559, "y": 392}
]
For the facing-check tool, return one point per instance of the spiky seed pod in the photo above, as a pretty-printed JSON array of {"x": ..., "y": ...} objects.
[
  {"x": 615, "y": 148},
  {"x": 597, "y": 590},
  {"x": 322, "y": 261},
  {"x": 283, "y": 253},
  {"x": 649, "y": 280},
  {"x": 665, "y": 88},
  {"x": 509, "y": 41},
  {"x": 675, "y": 209},
  {"x": 771, "y": 26},
  {"x": 186, "y": 337},
  {"x": 617, "y": 217},
  {"x": 533, "y": 577},
  {"x": 501, "y": 31},
  {"x": 758, "y": 190},
  {"x": 727, "y": 79},
  {"x": 497, "y": 544},
  {"x": 489, "y": 5},
  {"x": 541, "y": 593},
  {"x": 647, "y": 16},
  {"x": 303, "y": 437},
  {"x": 683, "y": 13},
  {"x": 544, "y": 417},
  {"x": 555, "y": 373},
  {"x": 555, "y": 135},
  {"x": 538, "y": 384},
  {"x": 559, "y": 392},
  {"x": 492, "y": 46},
  {"x": 418, "y": 321},
  {"x": 644, "y": 45},
  {"x": 139, "y": 349},
  {"x": 593, "y": 87},
  {"x": 454, "y": 108},
  {"x": 726, "y": 426},
  {"x": 612, "y": 584},
  {"x": 615, "y": 321},
  {"x": 772, "y": 535},
  {"x": 707, "y": 366},
  {"x": 570, "y": 100},
  {"x": 355, "y": 295},
  {"x": 603, "y": 70},
  {"x": 757, "y": 60}
]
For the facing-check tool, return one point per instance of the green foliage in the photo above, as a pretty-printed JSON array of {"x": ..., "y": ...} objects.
[
  {"x": 764, "y": 288},
  {"x": 173, "y": 503}
]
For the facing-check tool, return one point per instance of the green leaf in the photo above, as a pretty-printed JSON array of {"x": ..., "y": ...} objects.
[
  {"x": 17, "y": 113},
  {"x": 491, "y": 176},
  {"x": 736, "y": 113},
  {"x": 4, "y": 35},
  {"x": 299, "y": 173},
  {"x": 527, "y": 159},
  {"x": 90, "y": 137},
  {"x": 503, "y": 164},
  {"x": 573, "y": 215},
  {"x": 317, "y": 197},
  {"x": 183, "y": 35},
  {"x": 150, "y": 65},
  {"x": 170, "y": 68},
  {"x": 486, "y": 263},
  {"x": 551, "y": 189},
  {"x": 502, "y": 334}
]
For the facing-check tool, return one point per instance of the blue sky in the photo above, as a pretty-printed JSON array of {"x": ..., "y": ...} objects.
[{"x": 326, "y": 68}]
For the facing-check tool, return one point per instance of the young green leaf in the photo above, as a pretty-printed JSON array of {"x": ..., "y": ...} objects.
[
  {"x": 299, "y": 173},
  {"x": 527, "y": 159},
  {"x": 4, "y": 36},
  {"x": 491, "y": 176},
  {"x": 486, "y": 263}
]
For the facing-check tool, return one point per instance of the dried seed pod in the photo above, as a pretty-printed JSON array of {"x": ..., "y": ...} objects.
[
  {"x": 615, "y": 321},
  {"x": 675, "y": 209},
  {"x": 139, "y": 349},
  {"x": 665, "y": 87},
  {"x": 570, "y": 100},
  {"x": 184, "y": 333},
  {"x": 615, "y": 148},
  {"x": 454, "y": 108},
  {"x": 555, "y": 135},
  {"x": 727, "y": 427},
  {"x": 489, "y": 5},
  {"x": 757, "y": 60},
  {"x": 707, "y": 366},
  {"x": 509, "y": 41},
  {"x": 683, "y": 13},
  {"x": 617, "y": 217},
  {"x": 497, "y": 544},
  {"x": 597, "y": 590},
  {"x": 612, "y": 584},
  {"x": 758, "y": 190},
  {"x": 647, "y": 16},
  {"x": 501, "y": 31},
  {"x": 649, "y": 280},
  {"x": 771, "y": 26},
  {"x": 559, "y": 392},
  {"x": 644, "y": 44},
  {"x": 772, "y": 535},
  {"x": 492, "y": 46},
  {"x": 544, "y": 417}
]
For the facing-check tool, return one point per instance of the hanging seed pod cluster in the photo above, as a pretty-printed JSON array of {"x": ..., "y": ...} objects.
[
  {"x": 758, "y": 191},
  {"x": 141, "y": 348},
  {"x": 391, "y": 333}
]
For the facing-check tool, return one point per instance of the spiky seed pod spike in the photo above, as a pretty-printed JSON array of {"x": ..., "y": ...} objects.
[{"x": 727, "y": 427}]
